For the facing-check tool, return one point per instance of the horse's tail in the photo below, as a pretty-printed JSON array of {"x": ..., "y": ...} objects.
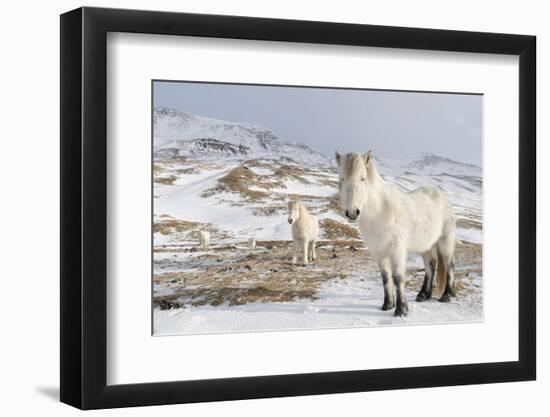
[
  {"x": 445, "y": 249},
  {"x": 441, "y": 272}
]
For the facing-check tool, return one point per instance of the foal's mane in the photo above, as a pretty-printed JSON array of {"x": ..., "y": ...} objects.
[{"x": 299, "y": 205}]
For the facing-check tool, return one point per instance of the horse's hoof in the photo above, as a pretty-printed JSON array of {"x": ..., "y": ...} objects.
[
  {"x": 401, "y": 309},
  {"x": 387, "y": 306},
  {"x": 445, "y": 298},
  {"x": 422, "y": 296}
]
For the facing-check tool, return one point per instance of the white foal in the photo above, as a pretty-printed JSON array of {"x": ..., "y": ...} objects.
[
  {"x": 204, "y": 239},
  {"x": 393, "y": 223},
  {"x": 251, "y": 243},
  {"x": 305, "y": 231}
]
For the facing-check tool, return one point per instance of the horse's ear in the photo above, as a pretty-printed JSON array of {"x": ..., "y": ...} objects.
[
  {"x": 337, "y": 156},
  {"x": 368, "y": 158}
]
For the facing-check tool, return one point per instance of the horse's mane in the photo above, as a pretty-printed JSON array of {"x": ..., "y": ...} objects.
[{"x": 353, "y": 162}]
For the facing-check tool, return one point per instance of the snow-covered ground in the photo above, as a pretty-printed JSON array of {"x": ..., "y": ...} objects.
[
  {"x": 342, "y": 303},
  {"x": 234, "y": 180}
]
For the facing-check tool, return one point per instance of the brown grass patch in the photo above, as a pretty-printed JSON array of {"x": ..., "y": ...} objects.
[
  {"x": 170, "y": 225},
  {"x": 190, "y": 170},
  {"x": 239, "y": 180},
  {"x": 169, "y": 180},
  {"x": 232, "y": 276},
  {"x": 288, "y": 171},
  {"x": 333, "y": 229},
  {"x": 468, "y": 224},
  {"x": 258, "y": 276}
]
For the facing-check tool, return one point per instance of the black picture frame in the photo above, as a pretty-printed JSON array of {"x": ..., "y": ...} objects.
[{"x": 84, "y": 207}]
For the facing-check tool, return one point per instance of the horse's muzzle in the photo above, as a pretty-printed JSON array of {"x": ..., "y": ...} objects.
[
  {"x": 353, "y": 214},
  {"x": 289, "y": 221}
]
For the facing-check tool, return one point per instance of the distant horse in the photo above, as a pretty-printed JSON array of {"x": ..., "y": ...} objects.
[
  {"x": 393, "y": 223},
  {"x": 305, "y": 231},
  {"x": 204, "y": 239}
]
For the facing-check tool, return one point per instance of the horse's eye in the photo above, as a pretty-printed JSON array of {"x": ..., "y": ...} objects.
[{"x": 363, "y": 179}]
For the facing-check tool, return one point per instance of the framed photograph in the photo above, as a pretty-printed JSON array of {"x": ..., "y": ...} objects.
[{"x": 256, "y": 208}]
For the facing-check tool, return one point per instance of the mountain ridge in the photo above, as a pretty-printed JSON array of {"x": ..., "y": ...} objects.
[{"x": 182, "y": 133}]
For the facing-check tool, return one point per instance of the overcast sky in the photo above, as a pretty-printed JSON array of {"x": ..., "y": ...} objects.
[{"x": 392, "y": 124}]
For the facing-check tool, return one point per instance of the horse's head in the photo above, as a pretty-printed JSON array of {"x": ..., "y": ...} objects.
[
  {"x": 293, "y": 211},
  {"x": 354, "y": 184}
]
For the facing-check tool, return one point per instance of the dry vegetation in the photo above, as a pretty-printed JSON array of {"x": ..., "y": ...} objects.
[
  {"x": 168, "y": 225},
  {"x": 256, "y": 188},
  {"x": 332, "y": 229},
  {"x": 259, "y": 276},
  {"x": 468, "y": 223},
  {"x": 232, "y": 276},
  {"x": 167, "y": 171},
  {"x": 167, "y": 180},
  {"x": 239, "y": 180}
]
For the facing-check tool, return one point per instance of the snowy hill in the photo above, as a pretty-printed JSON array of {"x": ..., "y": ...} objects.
[
  {"x": 183, "y": 133},
  {"x": 237, "y": 177},
  {"x": 428, "y": 164}
]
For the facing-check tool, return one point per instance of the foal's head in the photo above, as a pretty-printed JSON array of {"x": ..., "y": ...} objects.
[
  {"x": 353, "y": 184},
  {"x": 294, "y": 209}
]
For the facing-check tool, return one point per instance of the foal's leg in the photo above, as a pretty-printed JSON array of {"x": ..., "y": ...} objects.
[
  {"x": 305, "y": 242},
  {"x": 296, "y": 250},
  {"x": 399, "y": 259},
  {"x": 429, "y": 265},
  {"x": 389, "y": 289},
  {"x": 312, "y": 250}
]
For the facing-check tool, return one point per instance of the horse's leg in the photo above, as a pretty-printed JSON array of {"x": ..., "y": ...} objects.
[
  {"x": 399, "y": 258},
  {"x": 312, "y": 249},
  {"x": 429, "y": 265},
  {"x": 305, "y": 251},
  {"x": 445, "y": 248},
  {"x": 449, "y": 285},
  {"x": 387, "y": 280}
]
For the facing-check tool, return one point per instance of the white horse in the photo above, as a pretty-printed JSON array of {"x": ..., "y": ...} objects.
[
  {"x": 305, "y": 231},
  {"x": 393, "y": 223},
  {"x": 204, "y": 239}
]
